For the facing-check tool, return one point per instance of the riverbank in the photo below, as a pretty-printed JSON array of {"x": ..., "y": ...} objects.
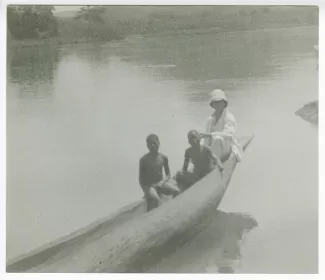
[
  {"x": 29, "y": 43},
  {"x": 121, "y": 22},
  {"x": 13, "y": 44}
]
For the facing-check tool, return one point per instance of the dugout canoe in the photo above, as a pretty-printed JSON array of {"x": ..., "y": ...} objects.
[{"x": 132, "y": 239}]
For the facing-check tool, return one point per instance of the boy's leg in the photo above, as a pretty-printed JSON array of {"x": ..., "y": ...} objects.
[
  {"x": 186, "y": 179},
  {"x": 169, "y": 189},
  {"x": 153, "y": 199}
]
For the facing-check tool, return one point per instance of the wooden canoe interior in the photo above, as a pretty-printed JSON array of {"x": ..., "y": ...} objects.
[{"x": 69, "y": 244}]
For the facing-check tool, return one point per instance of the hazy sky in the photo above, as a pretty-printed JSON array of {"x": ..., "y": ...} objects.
[{"x": 66, "y": 8}]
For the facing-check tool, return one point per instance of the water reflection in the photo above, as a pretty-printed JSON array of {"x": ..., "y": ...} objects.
[
  {"x": 98, "y": 56},
  {"x": 230, "y": 229},
  {"x": 208, "y": 61},
  {"x": 216, "y": 249},
  {"x": 33, "y": 64},
  {"x": 33, "y": 71}
]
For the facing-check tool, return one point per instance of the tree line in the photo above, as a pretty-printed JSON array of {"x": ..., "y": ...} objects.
[
  {"x": 116, "y": 22},
  {"x": 39, "y": 21},
  {"x": 31, "y": 21}
]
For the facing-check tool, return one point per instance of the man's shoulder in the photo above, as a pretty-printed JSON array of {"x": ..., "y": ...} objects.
[{"x": 230, "y": 116}]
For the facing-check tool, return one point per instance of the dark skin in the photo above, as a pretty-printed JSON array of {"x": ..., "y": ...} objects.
[
  {"x": 194, "y": 141},
  {"x": 151, "y": 176},
  {"x": 154, "y": 161}
]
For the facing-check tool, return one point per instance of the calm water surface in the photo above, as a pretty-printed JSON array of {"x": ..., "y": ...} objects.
[{"x": 77, "y": 118}]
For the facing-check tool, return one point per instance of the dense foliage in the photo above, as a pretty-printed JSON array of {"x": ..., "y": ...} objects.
[
  {"x": 31, "y": 21},
  {"x": 116, "y": 22}
]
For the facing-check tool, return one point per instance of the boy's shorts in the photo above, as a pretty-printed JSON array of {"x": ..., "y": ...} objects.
[
  {"x": 186, "y": 179},
  {"x": 170, "y": 187}
]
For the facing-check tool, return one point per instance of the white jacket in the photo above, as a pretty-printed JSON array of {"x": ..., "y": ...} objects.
[{"x": 222, "y": 130}]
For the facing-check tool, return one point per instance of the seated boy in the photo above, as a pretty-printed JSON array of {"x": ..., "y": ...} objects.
[
  {"x": 202, "y": 158},
  {"x": 151, "y": 177}
]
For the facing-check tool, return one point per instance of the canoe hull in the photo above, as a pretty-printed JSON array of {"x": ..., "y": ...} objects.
[{"x": 133, "y": 240}]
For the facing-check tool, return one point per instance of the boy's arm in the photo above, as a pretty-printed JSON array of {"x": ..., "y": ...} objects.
[
  {"x": 141, "y": 174},
  {"x": 186, "y": 161},
  {"x": 166, "y": 167},
  {"x": 167, "y": 172}
]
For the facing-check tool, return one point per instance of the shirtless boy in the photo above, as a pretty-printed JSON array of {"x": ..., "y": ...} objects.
[
  {"x": 202, "y": 158},
  {"x": 151, "y": 177}
]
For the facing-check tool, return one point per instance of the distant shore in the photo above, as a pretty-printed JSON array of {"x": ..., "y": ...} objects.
[
  {"x": 28, "y": 43},
  {"x": 117, "y": 22},
  {"x": 13, "y": 44},
  {"x": 53, "y": 41}
]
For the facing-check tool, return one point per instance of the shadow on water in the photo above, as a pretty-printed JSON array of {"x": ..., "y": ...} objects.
[
  {"x": 31, "y": 69},
  {"x": 216, "y": 249},
  {"x": 230, "y": 229}
]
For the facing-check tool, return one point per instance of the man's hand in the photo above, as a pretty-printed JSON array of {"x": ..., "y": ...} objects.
[
  {"x": 205, "y": 135},
  {"x": 237, "y": 155}
]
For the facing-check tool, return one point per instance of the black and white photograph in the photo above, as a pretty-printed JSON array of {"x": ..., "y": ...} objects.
[{"x": 170, "y": 138}]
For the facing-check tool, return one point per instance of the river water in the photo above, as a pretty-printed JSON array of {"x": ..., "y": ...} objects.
[{"x": 78, "y": 115}]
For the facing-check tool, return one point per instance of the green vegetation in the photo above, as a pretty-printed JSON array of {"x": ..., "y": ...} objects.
[
  {"x": 31, "y": 22},
  {"x": 37, "y": 25},
  {"x": 33, "y": 25},
  {"x": 157, "y": 19}
]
